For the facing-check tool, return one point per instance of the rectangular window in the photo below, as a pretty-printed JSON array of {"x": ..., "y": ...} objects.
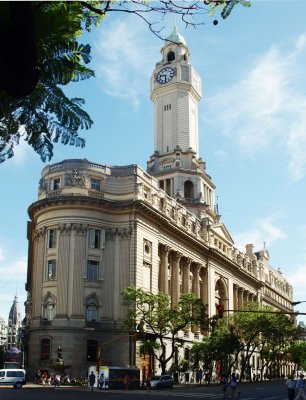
[
  {"x": 94, "y": 238},
  {"x": 92, "y": 270},
  {"x": 51, "y": 270},
  {"x": 45, "y": 347},
  {"x": 51, "y": 238},
  {"x": 95, "y": 184},
  {"x": 56, "y": 183}
]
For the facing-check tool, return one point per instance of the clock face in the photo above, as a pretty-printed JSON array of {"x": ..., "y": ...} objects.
[{"x": 165, "y": 75}]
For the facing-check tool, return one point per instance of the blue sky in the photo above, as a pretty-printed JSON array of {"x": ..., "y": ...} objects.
[{"x": 252, "y": 125}]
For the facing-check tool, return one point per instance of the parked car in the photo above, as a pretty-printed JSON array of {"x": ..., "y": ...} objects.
[
  {"x": 12, "y": 377},
  {"x": 162, "y": 381}
]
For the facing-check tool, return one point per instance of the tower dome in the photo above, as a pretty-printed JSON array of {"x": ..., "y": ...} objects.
[
  {"x": 176, "y": 37},
  {"x": 15, "y": 314}
]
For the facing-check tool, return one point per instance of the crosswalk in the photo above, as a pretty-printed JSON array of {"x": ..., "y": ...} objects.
[{"x": 203, "y": 395}]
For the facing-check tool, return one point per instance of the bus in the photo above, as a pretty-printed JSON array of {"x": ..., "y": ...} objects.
[{"x": 116, "y": 377}]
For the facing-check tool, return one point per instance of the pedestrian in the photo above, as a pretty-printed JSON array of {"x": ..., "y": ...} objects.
[
  {"x": 300, "y": 388},
  {"x": 38, "y": 377},
  {"x": 290, "y": 384},
  {"x": 233, "y": 385},
  {"x": 224, "y": 383},
  {"x": 92, "y": 380},
  {"x": 57, "y": 381},
  {"x": 148, "y": 383},
  {"x": 101, "y": 381},
  {"x": 126, "y": 382},
  {"x": 200, "y": 374}
]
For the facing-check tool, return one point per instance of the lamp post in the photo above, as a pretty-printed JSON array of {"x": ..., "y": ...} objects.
[{"x": 295, "y": 303}]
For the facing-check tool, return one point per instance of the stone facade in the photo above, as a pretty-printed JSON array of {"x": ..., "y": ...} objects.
[{"x": 97, "y": 229}]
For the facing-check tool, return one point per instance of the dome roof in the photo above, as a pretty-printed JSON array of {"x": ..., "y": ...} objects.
[
  {"x": 176, "y": 37},
  {"x": 15, "y": 314}
]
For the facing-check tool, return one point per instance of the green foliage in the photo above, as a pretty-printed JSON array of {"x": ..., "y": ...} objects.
[
  {"x": 222, "y": 345},
  {"x": 261, "y": 329},
  {"x": 46, "y": 114},
  {"x": 256, "y": 328},
  {"x": 297, "y": 354},
  {"x": 163, "y": 322},
  {"x": 225, "y": 6}
]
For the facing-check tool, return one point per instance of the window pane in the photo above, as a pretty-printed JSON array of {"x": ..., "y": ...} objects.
[
  {"x": 51, "y": 269},
  {"x": 94, "y": 238},
  {"x": 97, "y": 238},
  {"x": 92, "y": 313},
  {"x": 92, "y": 270},
  {"x": 49, "y": 310},
  {"x": 45, "y": 349},
  {"x": 95, "y": 184},
  {"x": 56, "y": 184},
  {"x": 51, "y": 238}
]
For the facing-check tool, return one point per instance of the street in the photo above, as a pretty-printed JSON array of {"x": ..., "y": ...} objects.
[{"x": 249, "y": 391}]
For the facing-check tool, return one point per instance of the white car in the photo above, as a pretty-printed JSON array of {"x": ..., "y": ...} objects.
[{"x": 12, "y": 377}]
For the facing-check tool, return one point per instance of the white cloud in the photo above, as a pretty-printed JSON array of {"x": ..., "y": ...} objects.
[
  {"x": 265, "y": 230},
  {"x": 124, "y": 60},
  {"x": 267, "y": 107}
]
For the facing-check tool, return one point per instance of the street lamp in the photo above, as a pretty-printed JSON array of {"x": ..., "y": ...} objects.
[{"x": 295, "y": 303}]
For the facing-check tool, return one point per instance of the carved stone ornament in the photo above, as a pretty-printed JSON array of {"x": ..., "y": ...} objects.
[
  {"x": 75, "y": 178},
  {"x": 40, "y": 233},
  {"x": 42, "y": 186}
]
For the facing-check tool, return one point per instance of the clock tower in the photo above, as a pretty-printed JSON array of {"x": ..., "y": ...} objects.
[{"x": 176, "y": 91}]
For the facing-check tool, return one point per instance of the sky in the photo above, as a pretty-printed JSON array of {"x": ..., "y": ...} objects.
[{"x": 252, "y": 130}]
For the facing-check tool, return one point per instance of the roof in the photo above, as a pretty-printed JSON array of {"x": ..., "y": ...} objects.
[{"x": 176, "y": 37}]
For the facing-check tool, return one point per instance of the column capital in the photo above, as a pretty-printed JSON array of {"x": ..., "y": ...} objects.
[
  {"x": 166, "y": 248},
  {"x": 177, "y": 256}
]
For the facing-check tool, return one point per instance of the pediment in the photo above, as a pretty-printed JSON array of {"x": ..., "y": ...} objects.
[{"x": 221, "y": 231}]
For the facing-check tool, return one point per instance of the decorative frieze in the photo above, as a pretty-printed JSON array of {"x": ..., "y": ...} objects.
[{"x": 75, "y": 178}]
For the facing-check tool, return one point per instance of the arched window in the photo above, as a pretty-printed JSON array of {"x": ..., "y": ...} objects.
[
  {"x": 188, "y": 190},
  {"x": 92, "y": 309},
  {"x": 170, "y": 56},
  {"x": 45, "y": 349},
  {"x": 92, "y": 350},
  {"x": 49, "y": 308}
]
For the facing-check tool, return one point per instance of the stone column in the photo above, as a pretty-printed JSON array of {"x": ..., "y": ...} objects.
[
  {"x": 163, "y": 271},
  {"x": 186, "y": 276},
  {"x": 240, "y": 298},
  {"x": 116, "y": 276},
  {"x": 235, "y": 295},
  {"x": 175, "y": 279},
  {"x": 230, "y": 301},
  {"x": 204, "y": 288},
  {"x": 39, "y": 271},
  {"x": 211, "y": 289},
  {"x": 196, "y": 281}
]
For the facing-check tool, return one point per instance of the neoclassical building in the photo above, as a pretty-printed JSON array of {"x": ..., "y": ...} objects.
[{"x": 96, "y": 229}]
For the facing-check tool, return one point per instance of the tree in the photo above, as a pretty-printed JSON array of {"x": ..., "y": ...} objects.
[
  {"x": 39, "y": 110},
  {"x": 276, "y": 337},
  {"x": 261, "y": 329},
  {"x": 41, "y": 53},
  {"x": 222, "y": 346},
  {"x": 297, "y": 354},
  {"x": 161, "y": 322}
]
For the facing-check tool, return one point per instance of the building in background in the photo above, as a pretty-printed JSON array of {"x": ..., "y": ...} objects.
[
  {"x": 3, "y": 337},
  {"x": 14, "y": 325},
  {"x": 96, "y": 229}
]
